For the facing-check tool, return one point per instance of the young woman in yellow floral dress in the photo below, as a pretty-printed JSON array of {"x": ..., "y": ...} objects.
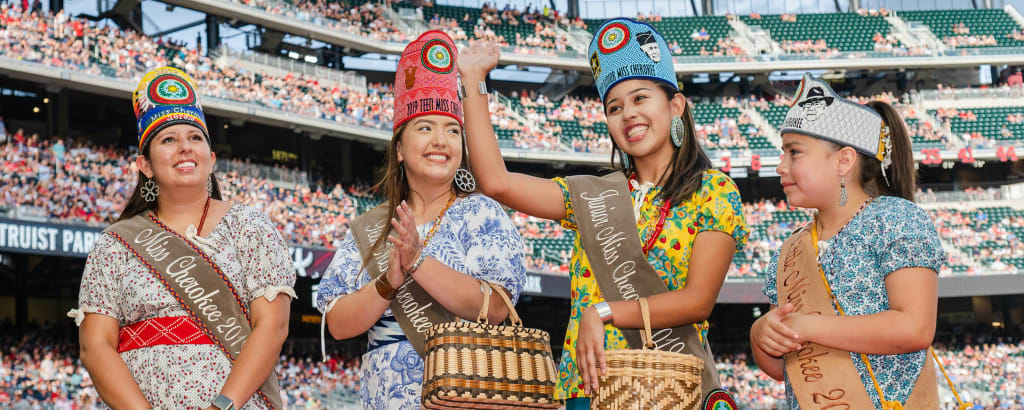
[{"x": 688, "y": 216}]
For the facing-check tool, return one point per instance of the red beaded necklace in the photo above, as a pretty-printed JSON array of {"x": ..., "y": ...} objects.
[
  {"x": 666, "y": 206},
  {"x": 202, "y": 221}
]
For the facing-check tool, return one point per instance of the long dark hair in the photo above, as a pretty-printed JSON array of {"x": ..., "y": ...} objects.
[
  {"x": 395, "y": 186},
  {"x": 686, "y": 169},
  {"x": 901, "y": 175},
  {"x": 136, "y": 205}
]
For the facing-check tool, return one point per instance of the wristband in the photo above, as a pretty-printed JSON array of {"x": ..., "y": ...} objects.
[
  {"x": 384, "y": 287},
  {"x": 604, "y": 311}
]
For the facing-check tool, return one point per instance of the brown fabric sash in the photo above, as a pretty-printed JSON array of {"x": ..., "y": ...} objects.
[
  {"x": 198, "y": 284},
  {"x": 823, "y": 377},
  {"x": 608, "y": 233},
  {"x": 414, "y": 309}
]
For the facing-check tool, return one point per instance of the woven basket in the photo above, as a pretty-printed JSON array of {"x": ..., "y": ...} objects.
[
  {"x": 649, "y": 379},
  {"x": 483, "y": 366}
]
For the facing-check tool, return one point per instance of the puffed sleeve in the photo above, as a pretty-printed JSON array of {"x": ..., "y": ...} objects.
[
  {"x": 99, "y": 291},
  {"x": 264, "y": 256},
  {"x": 340, "y": 278},
  {"x": 721, "y": 208},
  {"x": 569, "y": 222},
  {"x": 494, "y": 248},
  {"x": 911, "y": 239}
]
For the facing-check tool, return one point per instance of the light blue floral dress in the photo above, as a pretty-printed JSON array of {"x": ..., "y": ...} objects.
[
  {"x": 476, "y": 237},
  {"x": 888, "y": 235}
]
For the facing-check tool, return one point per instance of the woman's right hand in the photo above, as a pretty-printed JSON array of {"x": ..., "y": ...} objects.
[
  {"x": 395, "y": 274},
  {"x": 406, "y": 240},
  {"x": 477, "y": 60},
  {"x": 772, "y": 336}
]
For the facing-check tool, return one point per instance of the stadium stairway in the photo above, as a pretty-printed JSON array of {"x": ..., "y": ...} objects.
[{"x": 770, "y": 132}]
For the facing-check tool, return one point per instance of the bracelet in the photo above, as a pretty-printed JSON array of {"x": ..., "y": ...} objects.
[
  {"x": 482, "y": 87},
  {"x": 604, "y": 311},
  {"x": 416, "y": 265},
  {"x": 384, "y": 288}
]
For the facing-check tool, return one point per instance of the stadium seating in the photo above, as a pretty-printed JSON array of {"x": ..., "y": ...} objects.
[
  {"x": 855, "y": 34},
  {"x": 990, "y": 123},
  {"x": 994, "y": 22},
  {"x": 681, "y": 31}
]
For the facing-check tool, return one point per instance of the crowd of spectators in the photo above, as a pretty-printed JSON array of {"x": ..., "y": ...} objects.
[
  {"x": 62, "y": 41},
  {"x": 74, "y": 182},
  {"x": 102, "y": 49},
  {"x": 368, "y": 19},
  {"x": 39, "y": 368}
]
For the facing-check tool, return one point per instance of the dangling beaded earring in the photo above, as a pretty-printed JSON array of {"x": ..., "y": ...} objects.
[
  {"x": 624, "y": 157},
  {"x": 464, "y": 180},
  {"x": 678, "y": 131},
  {"x": 150, "y": 190},
  {"x": 209, "y": 185},
  {"x": 842, "y": 192}
]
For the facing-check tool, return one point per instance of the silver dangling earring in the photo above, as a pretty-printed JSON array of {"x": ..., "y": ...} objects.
[
  {"x": 842, "y": 192},
  {"x": 624, "y": 157},
  {"x": 209, "y": 185},
  {"x": 464, "y": 180},
  {"x": 150, "y": 190},
  {"x": 678, "y": 131}
]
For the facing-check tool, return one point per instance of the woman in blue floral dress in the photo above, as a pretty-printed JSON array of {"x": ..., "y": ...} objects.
[{"x": 470, "y": 238}]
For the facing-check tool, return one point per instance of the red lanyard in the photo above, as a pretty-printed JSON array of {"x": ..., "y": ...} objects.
[{"x": 662, "y": 214}]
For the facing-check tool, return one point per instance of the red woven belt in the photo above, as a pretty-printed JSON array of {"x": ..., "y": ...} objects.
[{"x": 179, "y": 330}]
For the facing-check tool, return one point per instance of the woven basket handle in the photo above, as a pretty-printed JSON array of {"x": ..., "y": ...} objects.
[
  {"x": 487, "y": 288},
  {"x": 645, "y": 336}
]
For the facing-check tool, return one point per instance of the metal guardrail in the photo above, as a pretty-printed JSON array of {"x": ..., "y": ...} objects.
[
  {"x": 972, "y": 93},
  {"x": 351, "y": 79}
]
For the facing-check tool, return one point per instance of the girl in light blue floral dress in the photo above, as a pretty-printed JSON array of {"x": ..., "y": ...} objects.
[
  {"x": 443, "y": 236},
  {"x": 878, "y": 250}
]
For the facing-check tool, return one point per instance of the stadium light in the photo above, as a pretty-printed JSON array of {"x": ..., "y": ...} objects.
[
  {"x": 46, "y": 100},
  {"x": 35, "y": 110}
]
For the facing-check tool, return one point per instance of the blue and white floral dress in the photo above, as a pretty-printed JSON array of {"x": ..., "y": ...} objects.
[
  {"x": 476, "y": 237},
  {"x": 889, "y": 234}
]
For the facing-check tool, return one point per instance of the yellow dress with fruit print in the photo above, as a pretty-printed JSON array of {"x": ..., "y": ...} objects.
[{"x": 715, "y": 207}]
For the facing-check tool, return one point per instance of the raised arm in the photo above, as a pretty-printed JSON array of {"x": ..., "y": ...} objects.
[{"x": 535, "y": 196}]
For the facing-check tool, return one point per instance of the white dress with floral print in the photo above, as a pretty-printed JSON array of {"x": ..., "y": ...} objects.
[{"x": 253, "y": 255}]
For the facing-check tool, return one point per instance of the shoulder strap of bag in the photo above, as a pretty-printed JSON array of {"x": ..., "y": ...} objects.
[
  {"x": 201, "y": 287},
  {"x": 414, "y": 309},
  {"x": 608, "y": 233}
]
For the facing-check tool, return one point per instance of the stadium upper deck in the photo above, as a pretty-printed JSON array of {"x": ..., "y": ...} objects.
[{"x": 702, "y": 44}]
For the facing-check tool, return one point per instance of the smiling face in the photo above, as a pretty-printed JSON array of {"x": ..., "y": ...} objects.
[
  {"x": 431, "y": 149},
  {"x": 179, "y": 157},
  {"x": 640, "y": 117}
]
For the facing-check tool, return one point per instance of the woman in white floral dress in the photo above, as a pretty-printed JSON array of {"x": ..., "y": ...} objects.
[
  {"x": 470, "y": 237},
  {"x": 139, "y": 344}
]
